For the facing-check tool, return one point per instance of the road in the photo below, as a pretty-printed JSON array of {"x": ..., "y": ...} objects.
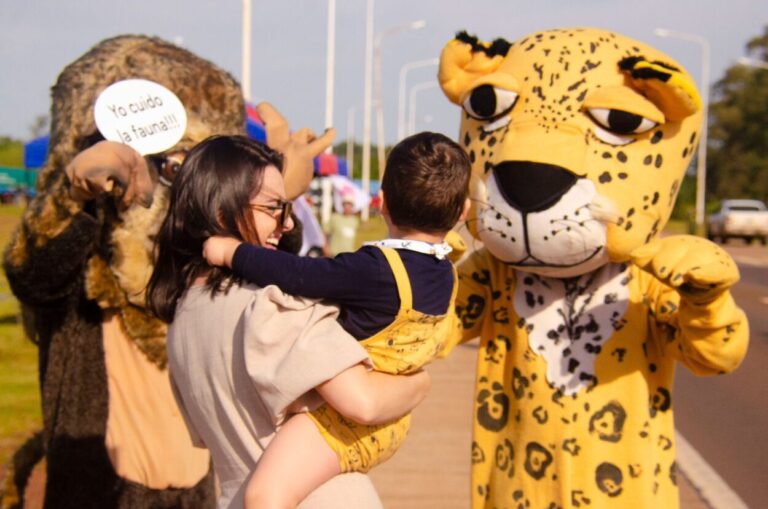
[
  {"x": 432, "y": 469},
  {"x": 725, "y": 418}
]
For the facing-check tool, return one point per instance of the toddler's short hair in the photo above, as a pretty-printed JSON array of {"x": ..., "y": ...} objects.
[{"x": 426, "y": 182}]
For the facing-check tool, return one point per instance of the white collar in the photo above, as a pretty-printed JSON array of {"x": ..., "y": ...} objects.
[{"x": 439, "y": 251}]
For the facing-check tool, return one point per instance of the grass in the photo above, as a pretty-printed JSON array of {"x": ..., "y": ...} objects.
[
  {"x": 677, "y": 227},
  {"x": 373, "y": 229},
  {"x": 19, "y": 389}
]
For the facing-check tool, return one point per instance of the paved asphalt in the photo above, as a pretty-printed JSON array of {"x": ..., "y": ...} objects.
[
  {"x": 431, "y": 470},
  {"x": 726, "y": 417}
]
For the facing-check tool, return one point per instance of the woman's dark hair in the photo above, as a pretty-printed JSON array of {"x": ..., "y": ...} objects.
[{"x": 210, "y": 196}]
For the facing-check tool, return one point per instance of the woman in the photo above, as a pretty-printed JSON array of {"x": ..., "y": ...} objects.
[{"x": 242, "y": 357}]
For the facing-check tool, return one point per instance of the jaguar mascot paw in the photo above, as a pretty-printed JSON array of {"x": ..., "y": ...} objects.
[
  {"x": 579, "y": 140},
  {"x": 699, "y": 269}
]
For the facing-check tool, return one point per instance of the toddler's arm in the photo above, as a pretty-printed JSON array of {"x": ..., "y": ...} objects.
[
  {"x": 219, "y": 251},
  {"x": 371, "y": 397},
  {"x": 348, "y": 278}
]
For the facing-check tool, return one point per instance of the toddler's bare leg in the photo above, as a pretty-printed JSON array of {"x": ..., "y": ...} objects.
[{"x": 296, "y": 462}]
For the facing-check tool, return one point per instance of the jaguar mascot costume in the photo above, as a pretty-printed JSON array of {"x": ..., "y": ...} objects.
[
  {"x": 579, "y": 140},
  {"x": 79, "y": 263}
]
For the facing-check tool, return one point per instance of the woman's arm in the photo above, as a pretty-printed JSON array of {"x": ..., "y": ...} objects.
[{"x": 371, "y": 397}]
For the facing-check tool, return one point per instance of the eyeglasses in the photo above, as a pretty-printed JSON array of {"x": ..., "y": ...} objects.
[
  {"x": 283, "y": 206},
  {"x": 168, "y": 166}
]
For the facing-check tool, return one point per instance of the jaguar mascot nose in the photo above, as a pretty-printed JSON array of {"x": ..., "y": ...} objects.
[{"x": 532, "y": 187}]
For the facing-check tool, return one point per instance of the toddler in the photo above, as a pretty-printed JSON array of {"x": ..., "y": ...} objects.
[{"x": 395, "y": 296}]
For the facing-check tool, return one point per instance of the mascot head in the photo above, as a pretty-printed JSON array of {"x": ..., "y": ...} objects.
[
  {"x": 211, "y": 97},
  {"x": 579, "y": 140},
  {"x": 120, "y": 267}
]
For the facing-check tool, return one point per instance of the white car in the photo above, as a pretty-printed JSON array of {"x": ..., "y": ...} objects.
[{"x": 747, "y": 219}]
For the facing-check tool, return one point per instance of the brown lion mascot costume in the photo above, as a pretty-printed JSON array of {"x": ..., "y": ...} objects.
[{"x": 79, "y": 264}]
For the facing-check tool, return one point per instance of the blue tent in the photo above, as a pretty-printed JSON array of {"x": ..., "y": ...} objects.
[
  {"x": 255, "y": 130},
  {"x": 35, "y": 152}
]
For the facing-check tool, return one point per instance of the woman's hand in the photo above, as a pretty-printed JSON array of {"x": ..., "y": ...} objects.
[
  {"x": 219, "y": 251},
  {"x": 370, "y": 397}
]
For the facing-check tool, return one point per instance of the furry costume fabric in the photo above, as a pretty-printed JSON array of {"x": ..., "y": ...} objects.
[
  {"x": 79, "y": 270},
  {"x": 579, "y": 140}
]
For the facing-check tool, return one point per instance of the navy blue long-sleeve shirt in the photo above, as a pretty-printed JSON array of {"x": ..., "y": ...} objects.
[{"x": 361, "y": 283}]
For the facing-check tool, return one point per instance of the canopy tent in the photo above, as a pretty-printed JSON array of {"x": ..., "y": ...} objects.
[
  {"x": 343, "y": 187},
  {"x": 254, "y": 126},
  {"x": 35, "y": 152},
  {"x": 15, "y": 179}
]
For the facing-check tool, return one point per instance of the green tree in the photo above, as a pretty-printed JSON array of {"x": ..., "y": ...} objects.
[
  {"x": 39, "y": 126},
  {"x": 11, "y": 152},
  {"x": 340, "y": 149},
  {"x": 738, "y": 135}
]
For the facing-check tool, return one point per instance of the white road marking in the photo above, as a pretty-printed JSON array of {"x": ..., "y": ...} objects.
[
  {"x": 755, "y": 261},
  {"x": 703, "y": 477}
]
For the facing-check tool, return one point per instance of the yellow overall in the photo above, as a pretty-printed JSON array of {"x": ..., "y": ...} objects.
[{"x": 412, "y": 340}]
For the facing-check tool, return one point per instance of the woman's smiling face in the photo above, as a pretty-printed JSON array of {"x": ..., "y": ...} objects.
[{"x": 268, "y": 207}]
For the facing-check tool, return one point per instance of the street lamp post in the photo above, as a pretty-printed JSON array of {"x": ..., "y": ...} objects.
[
  {"x": 414, "y": 25},
  {"x": 369, "y": 47},
  {"x": 366, "y": 177},
  {"x": 401, "y": 91},
  {"x": 701, "y": 166},
  {"x": 351, "y": 139},
  {"x": 412, "y": 102},
  {"x": 330, "y": 67},
  {"x": 246, "y": 50}
]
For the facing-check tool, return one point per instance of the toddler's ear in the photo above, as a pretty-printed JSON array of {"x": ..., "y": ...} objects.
[
  {"x": 383, "y": 202},
  {"x": 465, "y": 210}
]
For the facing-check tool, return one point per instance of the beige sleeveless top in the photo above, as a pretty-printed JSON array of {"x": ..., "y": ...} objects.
[{"x": 240, "y": 362}]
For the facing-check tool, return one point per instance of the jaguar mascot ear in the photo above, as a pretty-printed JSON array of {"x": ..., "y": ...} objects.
[
  {"x": 579, "y": 139},
  {"x": 665, "y": 85},
  {"x": 465, "y": 63},
  {"x": 465, "y": 60}
]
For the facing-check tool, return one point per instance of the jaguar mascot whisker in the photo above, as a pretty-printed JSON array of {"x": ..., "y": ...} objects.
[{"x": 579, "y": 140}]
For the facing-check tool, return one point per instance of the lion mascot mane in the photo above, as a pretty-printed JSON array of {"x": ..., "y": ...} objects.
[{"x": 113, "y": 436}]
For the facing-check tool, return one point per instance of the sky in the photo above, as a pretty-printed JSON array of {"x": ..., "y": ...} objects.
[{"x": 288, "y": 56}]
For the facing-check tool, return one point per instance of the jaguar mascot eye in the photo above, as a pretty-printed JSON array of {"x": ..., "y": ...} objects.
[
  {"x": 613, "y": 126},
  {"x": 490, "y": 104}
]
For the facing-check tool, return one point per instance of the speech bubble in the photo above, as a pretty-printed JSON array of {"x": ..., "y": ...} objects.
[{"x": 142, "y": 114}]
